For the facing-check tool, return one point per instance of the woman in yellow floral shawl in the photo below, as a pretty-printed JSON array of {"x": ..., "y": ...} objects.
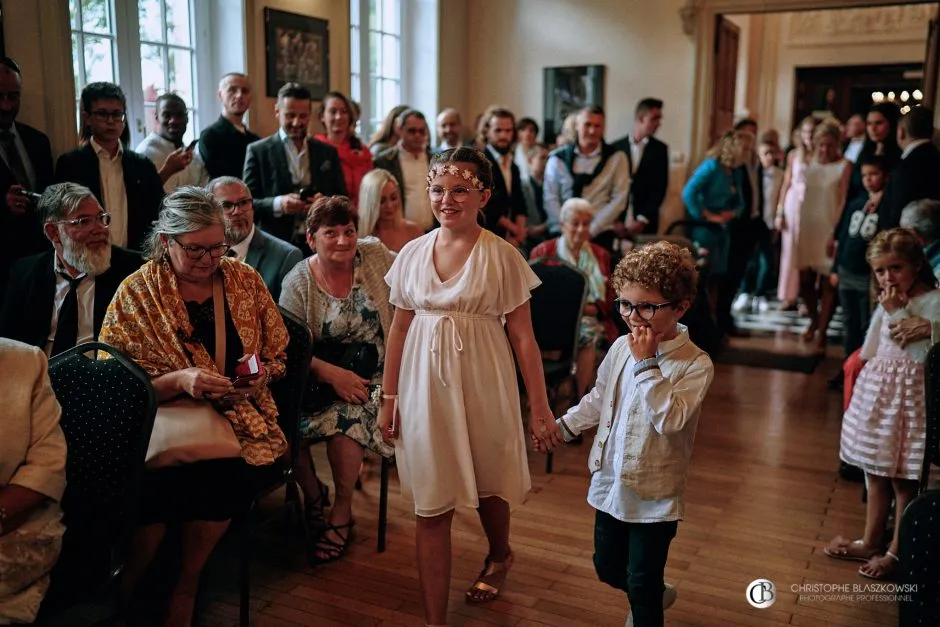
[{"x": 162, "y": 316}]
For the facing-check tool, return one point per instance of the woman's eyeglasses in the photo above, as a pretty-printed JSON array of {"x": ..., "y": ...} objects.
[
  {"x": 103, "y": 218},
  {"x": 646, "y": 311},
  {"x": 195, "y": 253},
  {"x": 458, "y": 194}
]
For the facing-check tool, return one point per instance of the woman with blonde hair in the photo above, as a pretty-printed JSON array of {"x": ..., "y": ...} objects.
[
  {"x": 713, "y": 194},
  {"x": 827, "y": 183},
  {"x": 380, "y": 211},
  {"x": 787, "y": 220}
]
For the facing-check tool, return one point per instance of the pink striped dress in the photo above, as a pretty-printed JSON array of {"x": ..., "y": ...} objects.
[{"x": 884, "y": 428}]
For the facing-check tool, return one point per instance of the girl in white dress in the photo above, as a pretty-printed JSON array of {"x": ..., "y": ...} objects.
[
  {"x": 827, "y": 182},
  {"x": 450, "y": 399}
]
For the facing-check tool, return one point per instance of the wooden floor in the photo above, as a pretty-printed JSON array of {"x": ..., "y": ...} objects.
[{"x": 762, "y": 500}]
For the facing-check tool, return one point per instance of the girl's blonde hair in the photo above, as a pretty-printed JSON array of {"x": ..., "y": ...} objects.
[
  {"x": 662, "y": 266},
  {"x": 727, "y": 150},
  {"x": 829, "y": 128},
  {"x": 370, "y": 199},
  {"x": 901, "y": 243}
]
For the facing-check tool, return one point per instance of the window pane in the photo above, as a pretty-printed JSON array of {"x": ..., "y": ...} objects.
[
  {"x": 96, "y": 16},
  {"x": 355, "y": 91},
  {"x": 354, "y": 48},
  {"x": 390, "y": 63},
  {"x": 151, "y": 20},
  {"x": 180, "y": 74},
  {"x": 99, "y": 59},
  {"x": 74, "y": 18},
  {"x": 76, "y": 64},
  {"x": 177, "y": 22},
  {"x": 390, "y": 95},
  {"x": 391, "y": 11},
  {"x": 354, "y": 13},
  {"x": 374, "y": 15},
  {"x": 375, "y": 42},
  {"x": 376, "y": 107},
  {"x": 153, "y": 74}
]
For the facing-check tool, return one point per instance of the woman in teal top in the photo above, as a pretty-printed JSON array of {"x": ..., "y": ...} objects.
[{"x": 713, "y": 194}]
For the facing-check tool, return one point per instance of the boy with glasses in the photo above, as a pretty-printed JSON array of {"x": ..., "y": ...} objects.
[
  {"x": 124, "y": 182},
  {"x": 646, "y": 405}
]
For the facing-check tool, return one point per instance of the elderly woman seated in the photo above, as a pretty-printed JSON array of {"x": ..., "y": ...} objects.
[
  {"x": 163, "y": 316},
  {"x": 32, "y": 479},
  {"x": 380, "y": 211},
  {"x": 575, "y": 247},
  {"x": 341, "y": 292}
]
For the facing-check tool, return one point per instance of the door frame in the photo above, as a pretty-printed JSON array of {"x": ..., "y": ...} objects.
[{"x": 699, "y": 21}]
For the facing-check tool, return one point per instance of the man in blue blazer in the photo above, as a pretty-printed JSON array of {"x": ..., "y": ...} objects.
[
  {"x": 273, "y": 258},
  {"x": 286, "y": 170}
]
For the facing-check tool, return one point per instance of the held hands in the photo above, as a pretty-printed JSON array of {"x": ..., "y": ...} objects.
[
  {"x": 892, "y": 299},
  {"x": 545, "y": 432},
  {"x": 834, "y": 279},
  {"x": 780, "y": 223},
  {"x": 643, "y": 342},
  {"x": 910, "y": 330}
]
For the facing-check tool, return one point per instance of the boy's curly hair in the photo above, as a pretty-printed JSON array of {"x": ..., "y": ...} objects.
[{"x": 662, "y": 266}]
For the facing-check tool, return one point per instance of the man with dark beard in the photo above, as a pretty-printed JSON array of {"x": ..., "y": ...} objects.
[
  {"x": 57, "y": 299},
  {"x": 272, "y": 257},
  {"x": 505, "y": 213}
]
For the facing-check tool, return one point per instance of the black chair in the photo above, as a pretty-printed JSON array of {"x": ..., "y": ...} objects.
[
  {"x": 108, "y": 409},
  {"x": 557, "y": 305},
  {"x": 919, "y": 563},
  {"x": 288, "y": 394},
  {"x": 932, "y": 388}
]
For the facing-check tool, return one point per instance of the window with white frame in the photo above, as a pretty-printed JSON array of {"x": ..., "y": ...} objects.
[
  {"x": 375, "y": 38},
  {"x": 146, "y": 46}
]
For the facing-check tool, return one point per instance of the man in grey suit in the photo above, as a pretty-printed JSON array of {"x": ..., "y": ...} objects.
[{"x": 273, "y": 258}]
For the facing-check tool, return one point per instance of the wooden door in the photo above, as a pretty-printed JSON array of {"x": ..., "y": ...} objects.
[
  {"x": 727, "y": 40},
  {"x": 932, "y": 62}
]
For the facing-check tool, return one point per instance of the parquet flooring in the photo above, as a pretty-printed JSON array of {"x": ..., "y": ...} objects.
[{"x": 762, "y": 500}]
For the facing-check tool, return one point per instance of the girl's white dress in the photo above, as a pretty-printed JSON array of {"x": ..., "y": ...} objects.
[
  {"x": 461, "y": 424},
  {"x": 884, "y": 430},
  {"x": 819, "y": 213}
]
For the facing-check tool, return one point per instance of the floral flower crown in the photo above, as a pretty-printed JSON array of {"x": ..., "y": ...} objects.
[{"x": 449, "y": 168}]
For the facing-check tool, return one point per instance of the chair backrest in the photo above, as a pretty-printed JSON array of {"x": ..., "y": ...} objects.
[
  {"x": 108, "y": 409},
  {"x": 557, "y": 305},
  {"x": 919, "y": 563},
  {"x": 288, "y": 392},
  {"x": 932, "y": 387}
]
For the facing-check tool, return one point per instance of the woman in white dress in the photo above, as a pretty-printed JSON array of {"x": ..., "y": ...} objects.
[
  {"x": 450, "y": 400},
  {"x": 827, "y": 182}
]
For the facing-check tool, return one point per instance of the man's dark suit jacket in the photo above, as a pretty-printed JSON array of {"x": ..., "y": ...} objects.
[
  {"x": 222, "y": 148},
  {"x": 272, "y": 258},
  {"x": 388, "y": 160},
  {"x": 22, "y": 235},
  {"x": 141, "y": 183},
  {"x": 916, "y": 177},
  {"x": 650, "y": 180},
  {"x": 27, "y": 309},
  {"x": 503, "y": 203},
  {"x": 267, "y": 174}
]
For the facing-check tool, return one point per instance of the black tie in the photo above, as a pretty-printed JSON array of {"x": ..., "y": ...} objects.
[
  {"x": 13, "y": 158},
  {"x": 66, "y": 331}
]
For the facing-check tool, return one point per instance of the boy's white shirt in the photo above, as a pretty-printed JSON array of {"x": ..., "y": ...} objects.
[{"x": 650, "y": 419}]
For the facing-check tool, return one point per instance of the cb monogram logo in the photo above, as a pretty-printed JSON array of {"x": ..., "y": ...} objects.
[{"x": 761, "y": 593}]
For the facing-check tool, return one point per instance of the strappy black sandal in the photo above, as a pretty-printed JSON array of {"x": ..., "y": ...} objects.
[
  {"x": 333, "y": 550},
  {"x": 313, "y": 510}
]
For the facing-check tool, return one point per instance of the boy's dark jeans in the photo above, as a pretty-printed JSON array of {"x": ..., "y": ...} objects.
[
  {"x": 632, "y": 557},
  {"x": 856, "y": 308}
]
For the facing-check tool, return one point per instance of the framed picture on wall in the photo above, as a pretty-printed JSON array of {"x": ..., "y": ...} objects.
[
  {"x": 566, "y": 90},
  {"x": 297, "y": 50}
]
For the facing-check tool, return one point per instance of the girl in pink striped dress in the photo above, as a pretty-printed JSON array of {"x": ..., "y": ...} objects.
[{"x": 884, "y": 428}]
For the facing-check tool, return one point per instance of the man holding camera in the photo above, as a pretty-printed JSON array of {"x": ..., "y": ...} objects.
[{"x": 25, "y": 167}]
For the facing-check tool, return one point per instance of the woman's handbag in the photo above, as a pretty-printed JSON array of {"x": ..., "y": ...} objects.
[
  {"x": 187, "y": 430},
  {"x": 359, "y": 357}
]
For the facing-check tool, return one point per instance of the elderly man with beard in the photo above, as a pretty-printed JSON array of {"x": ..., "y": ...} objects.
[
  {"x": 272, "y": 257},
  {"x": 57, "y": 299}
]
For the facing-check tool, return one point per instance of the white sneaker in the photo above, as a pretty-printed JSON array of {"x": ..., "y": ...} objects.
[
  {"x": 763, "y": 306},
  {"x": 669, "y": 599},
  {"x": 742, "y": 302}
]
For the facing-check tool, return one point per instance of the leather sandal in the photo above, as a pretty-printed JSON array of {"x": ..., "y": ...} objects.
[
  {"x": 313, "y": 509},
  {"x": 489, "y": 581},
  {"x": 333, "y": 550}
]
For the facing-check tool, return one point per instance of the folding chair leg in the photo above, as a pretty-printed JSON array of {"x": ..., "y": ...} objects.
[
  {"x": 383, "y": 505},
  {"x": 244, "y": 601},
  {"x": 548, "y": 462}
]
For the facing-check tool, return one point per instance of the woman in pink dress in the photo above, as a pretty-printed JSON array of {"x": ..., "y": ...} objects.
[
  {"x": 336, "y": 115},
  {"x": 788, "y": 212}
]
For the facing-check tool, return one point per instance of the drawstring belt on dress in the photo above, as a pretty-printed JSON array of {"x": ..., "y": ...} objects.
[{"x": 438, "y": 331}]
